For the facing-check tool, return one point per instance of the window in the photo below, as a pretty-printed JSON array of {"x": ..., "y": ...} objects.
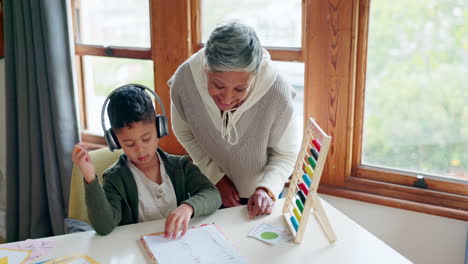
[
  {"x": 261, "y": 15},
  {"x": 103, "y": 74},
  {"x": 293, "y": 72},
  {"x": 415, "y": 113},
  {"x": 349, "y": 69},
  {"x": 122, "y": 23},
  {"x": 386, "y": 73},
  {"x": 277, "y": 35},
  {"x": 105, "y": 31},
  {"x": 120, "y": 42}
]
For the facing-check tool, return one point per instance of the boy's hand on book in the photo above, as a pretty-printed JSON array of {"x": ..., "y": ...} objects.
[
  {"x": 179, "y": 217},
  {"x": 80, "y": 158}
]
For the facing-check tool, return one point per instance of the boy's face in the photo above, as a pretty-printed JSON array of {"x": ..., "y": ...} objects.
[{"x": 139, "y": 141}]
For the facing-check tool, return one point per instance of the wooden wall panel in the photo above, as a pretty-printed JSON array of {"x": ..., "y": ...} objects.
[
  {"x": 328, "y": 77},
  {"x": 171, "y": 46}
]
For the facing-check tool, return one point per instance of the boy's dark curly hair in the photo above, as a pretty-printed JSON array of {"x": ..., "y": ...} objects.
[{"x": 128, "y": 105}]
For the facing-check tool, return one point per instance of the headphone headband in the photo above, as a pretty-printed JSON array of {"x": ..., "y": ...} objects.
[{"x": 161, "y": 121}]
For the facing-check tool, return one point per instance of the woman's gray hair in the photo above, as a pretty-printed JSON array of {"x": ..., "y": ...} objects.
[{"x": 233, "y": 47}]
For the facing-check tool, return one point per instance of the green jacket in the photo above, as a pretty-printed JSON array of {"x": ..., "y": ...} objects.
[{"x": 116, "y": 202}]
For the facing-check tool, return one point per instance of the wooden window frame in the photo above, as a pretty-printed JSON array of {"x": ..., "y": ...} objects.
[
  {"x": 170, "y": 22},
  {"x": 178, "y": 24},
  {"x": 287, "y": 54},
  {"x": 113, "y": 51},
  {"x": 334, "y": 47},
  {"x": 337, "y": 40}
]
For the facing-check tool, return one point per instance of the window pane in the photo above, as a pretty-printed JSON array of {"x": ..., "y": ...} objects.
[
  {"x": 416, "y": 110},
  {"x": 114, "y": 23},
  {"x": 277, "y": 22},
  {"x": 102, "y": 75},
  {"x": 293, "y": 72}
]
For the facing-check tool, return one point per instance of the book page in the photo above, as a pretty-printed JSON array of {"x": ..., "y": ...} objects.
[
  {"x": 38, "y": 247},
  {"x": 205, "y": 244},
  {"x": 73, "y": 259},
  {"x": 14, "y": 256}
]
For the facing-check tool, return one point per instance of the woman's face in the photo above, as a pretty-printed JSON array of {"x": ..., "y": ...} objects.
[{"x": 228, "y": 89}]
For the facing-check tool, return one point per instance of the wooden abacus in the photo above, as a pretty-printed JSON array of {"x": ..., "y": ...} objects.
[{"x": 302, "y": 195}]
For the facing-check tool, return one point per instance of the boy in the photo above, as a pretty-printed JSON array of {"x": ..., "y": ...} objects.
[{"x": 145, "y": 183}]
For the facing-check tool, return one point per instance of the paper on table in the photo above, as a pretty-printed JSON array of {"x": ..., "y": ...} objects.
[
  {"x": 38, "y": 247},
  {"x": 73, "y": 259},
  {"x": 204, "y": 244},
  {"x": 270, "y": 234},
  {"x": 14, "y": 256}
]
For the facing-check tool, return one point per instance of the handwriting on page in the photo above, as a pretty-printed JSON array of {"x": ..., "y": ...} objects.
[{"x": 204, "y": 244}]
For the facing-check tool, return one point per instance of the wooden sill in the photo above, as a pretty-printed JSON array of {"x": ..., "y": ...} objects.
[
  {"x": 455, "y": 186},
  {"x": 360, "y": 195},
  {"x": 92, "y": 141},
  {"x": 92, "y": 146},
  {"x": 276, "y": 53},
  {"x": 112, "y": 51}
]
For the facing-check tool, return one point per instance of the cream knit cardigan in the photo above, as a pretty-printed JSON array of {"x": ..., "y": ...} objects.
[{"x": 282, "y": 157}]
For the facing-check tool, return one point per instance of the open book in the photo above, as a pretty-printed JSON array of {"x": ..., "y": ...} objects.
[{"x": 204, "y": 244}]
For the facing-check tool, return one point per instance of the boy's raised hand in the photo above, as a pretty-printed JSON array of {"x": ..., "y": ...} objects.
[
  {"x": 179, "y": 217},
  {"x": 80, "y": 158}
]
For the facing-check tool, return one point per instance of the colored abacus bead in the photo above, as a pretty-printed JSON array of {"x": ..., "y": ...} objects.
[
  {"x": 297, "y": 214},
  {"x": 314, "y": 153},
  {"x": 304, "y": 188},
  {"x": 301, "y": 196},
  {"x": 300, "y": 205},
  {"x": 317, "y": 144},
  {"x": 309, "y": 171},
  {"x": 312, "y": 162},
  {"x": 307, "y": 179},
  {"x": 294, "y": 222}
]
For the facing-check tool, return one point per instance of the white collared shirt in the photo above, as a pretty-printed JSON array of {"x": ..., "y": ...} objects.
[{"x": 155, "y": 201}]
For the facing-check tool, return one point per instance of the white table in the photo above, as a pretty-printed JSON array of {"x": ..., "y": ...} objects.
[{"x": 354, "y": 244}]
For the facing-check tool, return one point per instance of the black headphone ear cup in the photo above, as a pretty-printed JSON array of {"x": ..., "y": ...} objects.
[
  {"x": 115, "y": 139},
  {"x": 111, "y": 140},
  {"x": 161, "y": 126}
]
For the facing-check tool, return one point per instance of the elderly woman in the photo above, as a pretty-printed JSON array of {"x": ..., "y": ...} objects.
[{"x": 233, "y": 113}]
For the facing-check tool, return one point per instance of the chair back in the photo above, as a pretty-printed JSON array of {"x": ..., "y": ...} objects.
[{"x": 101, "y": 159}]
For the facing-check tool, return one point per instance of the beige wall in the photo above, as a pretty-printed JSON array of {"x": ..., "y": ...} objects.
[{"x": 421, "y": 238}]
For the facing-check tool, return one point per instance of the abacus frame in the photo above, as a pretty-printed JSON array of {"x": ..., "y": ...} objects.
[{"x": 311, "y": 131}]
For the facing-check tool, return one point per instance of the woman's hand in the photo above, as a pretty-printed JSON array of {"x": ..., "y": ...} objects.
[
  {"x": 260, "y": 203},
  {"x": 228, "y": 192},
  {"x": 180, "y": 216},
  {"x": 80, "y": 158}
]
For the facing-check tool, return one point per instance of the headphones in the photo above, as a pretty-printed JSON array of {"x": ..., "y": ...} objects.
[{"x": 161, "y": 120}]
